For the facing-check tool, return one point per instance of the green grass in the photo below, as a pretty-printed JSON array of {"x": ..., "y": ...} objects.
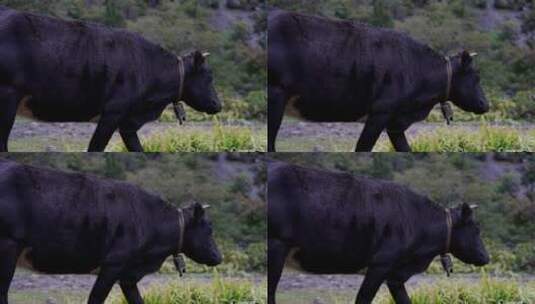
[
  {"x": 220, "y": 138},
  {"x": 486, "y": 138},
  {"x": 487, "y": 291},
  {"x": 445, "y": 291},
  {"x": 220, "y": 291}
]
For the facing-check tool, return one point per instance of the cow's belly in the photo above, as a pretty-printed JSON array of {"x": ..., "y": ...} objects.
[
  {"x": 301, "y": 260},
  {"x": 54, "y": 111},
  {"x": 56, "y": 263},
  {"x": 299, "y": 108}
]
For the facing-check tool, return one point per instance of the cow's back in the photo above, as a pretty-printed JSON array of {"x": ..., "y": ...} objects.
[
  {"x": 335, "y": 69},
  {"x": 88, "y": 63},
  {"x": 324, "y": 63},
  {"x": 69, "y": 221},
  {"x": 338, "y": 217}
]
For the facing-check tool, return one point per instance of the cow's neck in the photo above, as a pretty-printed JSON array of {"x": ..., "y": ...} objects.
[
  {"x": 181, "y": 227},
  {"x": 435, "y": 83},
  {"x": 165, "y": 70},
  {"x": 437, "y": 233}
]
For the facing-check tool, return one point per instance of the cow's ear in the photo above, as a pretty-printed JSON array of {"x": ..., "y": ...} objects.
[
  {"x": 198, "y": 211},
  {"x": 198, "y": 59},
  {"x": 466, "y": 212},
  {"x": 466, "y": 59}
]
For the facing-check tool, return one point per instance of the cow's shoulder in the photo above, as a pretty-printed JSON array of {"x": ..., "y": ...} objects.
[
  {"x": 10, "y": 18},
  {"x": 8, "y": 168}
]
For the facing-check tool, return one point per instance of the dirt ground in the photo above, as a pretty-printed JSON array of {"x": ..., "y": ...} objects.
[
  {"x": 31, "y": 288},
  {"x": 300, "y": 136},
  {"x": 33, "y": 136},
  {"x": 299, "y": 288}
]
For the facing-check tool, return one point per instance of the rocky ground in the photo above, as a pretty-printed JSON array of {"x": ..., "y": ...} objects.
[
  {"x": 295, "y": 280},
  {"x": 342, "y": 137},
  {"x": 33, "y": 136},
  {"x": 28, "y": 287},
  {"x": 297, "y": 288}
]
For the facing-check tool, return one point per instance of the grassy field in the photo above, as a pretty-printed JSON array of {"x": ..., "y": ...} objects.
[
  {"x": 423, "y": 138},
  {"x": 211, "y": 136},
  {"x": 219, "y": 291},
  {"x": 444, "y": 291},
  {"x": 220, "y": 138},
  {"x": 156, "y": 289}
]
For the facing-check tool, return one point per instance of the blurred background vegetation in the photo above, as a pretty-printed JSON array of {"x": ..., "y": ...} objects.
[
  {"x": 233, "y": 184},
  {"x": 502, "y": 184},
  {"x": 501, "y": 31},
  {"x": 233, "y": 31}
]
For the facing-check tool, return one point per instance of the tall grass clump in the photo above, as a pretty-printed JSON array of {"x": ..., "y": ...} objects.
[
  {"x": 220, "y": 291},
  {"x": 487, "y": 291},
  {"x": 220, "y": 138},
  {"x": 486, "y": 138}
]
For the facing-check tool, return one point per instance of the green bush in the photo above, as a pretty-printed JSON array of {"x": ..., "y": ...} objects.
[
  {"x": 487, "y": 291},
  {"x": 220, "y": 138},
  {"x": 220, "y": 291},
  {"x": 486, "y": 138}
]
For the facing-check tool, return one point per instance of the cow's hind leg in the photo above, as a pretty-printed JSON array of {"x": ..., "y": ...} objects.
[
  {"x": 9, "y": 101},
  {"x": 9, "y": 253},
  {"x": 276, "y": 105},
  {"x": 131, "y": 292},
  {"x": 107, "y": 276},
  {"x": 399, "y": 141},
  {"x": 375, "y": 276},
  {"x": 131, "y": 141},
  {"x": 107, "y": 124},
  {"x": 277, "y": 252},
  {"x": 398, "y": 292},
  {"x": 375, "y": 124}
]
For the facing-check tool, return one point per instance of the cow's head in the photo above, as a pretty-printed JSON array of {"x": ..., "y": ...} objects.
[
  {"x": 199, "y": 244},
  {"x": 466, "y": 92},
  {"x": 466, "y": 243},
  {"x": 199, "y": 92}
]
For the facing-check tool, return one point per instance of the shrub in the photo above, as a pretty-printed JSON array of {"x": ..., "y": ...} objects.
[
  {"x": 220, "y": 138},
  {"x": 220, "y": 291},
  {"x": 486, "y": 138}
]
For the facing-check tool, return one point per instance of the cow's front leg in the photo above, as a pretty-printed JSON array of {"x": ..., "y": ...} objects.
[
  {"x": 375, "y": 276},
  {"x": 277, "y": 252},
  {"x": 131, "y": 141},
  {"x": 375, "y": 124},
  {"x": 398, "y": 292},
  {"x": 107, "y": 124},
  {"x": 131, "y": 292},
  {"x": 9, "y": 253},
  {"x": 9, "y": 101},
  {"x": 399, "y": 141},
  {"x": 276, "y": 105},
  {"x": 106, "y": 278}
]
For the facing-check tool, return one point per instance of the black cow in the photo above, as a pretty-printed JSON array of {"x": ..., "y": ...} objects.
[
  {"x": 338, "y": 223},
  {"x": 56, "y": 71},
  {"x": 330, "y": 70},
  {"x": 55, "y": 222}
]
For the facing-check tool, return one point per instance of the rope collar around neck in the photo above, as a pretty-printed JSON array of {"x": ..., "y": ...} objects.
[
  {"x": 178, "y": 259},
  {"x": 449, "y": 225},
  {"x": 181, "y": 76},
  {"x": 447, "y": 112},
  {"x": 445, "y": 258},
  {"x": 181, "y": 227},
  {"x": 180, "y": 113},
  {"x": 449, "y": 72}
]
